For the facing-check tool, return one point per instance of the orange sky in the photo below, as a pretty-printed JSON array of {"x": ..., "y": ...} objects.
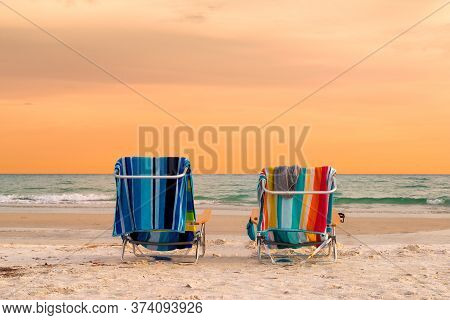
[{"x": 222, "y": 63}]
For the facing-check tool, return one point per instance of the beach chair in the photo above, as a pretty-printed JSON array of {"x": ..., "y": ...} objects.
[
  {"x": 155, "y": 206},
  {"x": 300, "y": 217}
]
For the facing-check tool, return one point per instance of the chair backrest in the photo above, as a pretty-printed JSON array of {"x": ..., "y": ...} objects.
[
  {"x": 148, "y": 199},
  {"x": 308, "y": 212}
]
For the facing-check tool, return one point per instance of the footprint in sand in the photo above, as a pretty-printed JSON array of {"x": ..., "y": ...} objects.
[
  {"x": 11, "y": 272},
  {"x": 250, "y": 245},
  {"x": 218, "y": 242},
  {"x": 412, "y": 247}
]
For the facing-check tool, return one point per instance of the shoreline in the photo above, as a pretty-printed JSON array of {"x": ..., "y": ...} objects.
[
  {"x": 362, "y": 210},
  {"x": 222, "y": 222}
]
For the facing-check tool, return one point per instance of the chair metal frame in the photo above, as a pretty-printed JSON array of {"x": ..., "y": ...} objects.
[
  {"x": 199, "y": 240},
  {"x": 330, "y": 240}
]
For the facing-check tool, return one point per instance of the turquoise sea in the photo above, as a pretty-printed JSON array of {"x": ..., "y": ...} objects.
[{"x": 425, "y": 193}]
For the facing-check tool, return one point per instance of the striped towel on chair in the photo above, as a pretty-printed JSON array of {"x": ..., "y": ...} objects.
[
  {"x": 144, "y": 205},
  {"x": 303, "y": 212}
]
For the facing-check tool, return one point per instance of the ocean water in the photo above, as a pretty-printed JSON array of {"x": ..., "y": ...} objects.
[{"x": 426, "y": 193}]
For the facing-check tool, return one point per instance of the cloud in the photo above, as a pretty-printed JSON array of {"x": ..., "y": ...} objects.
[
  {"x": 15, "y": 104},
  {"x": 197, "y": 18},
  {"x": 192, "y": 45},
  {"x": 151, "y": 56}
]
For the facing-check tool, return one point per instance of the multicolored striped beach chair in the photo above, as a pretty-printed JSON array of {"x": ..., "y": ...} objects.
[
  {"x": 155, "y": 206},
  {"x": 300, "y": 217}
]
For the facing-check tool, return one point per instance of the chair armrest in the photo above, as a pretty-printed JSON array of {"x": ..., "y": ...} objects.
[
  {"x": 204, "y": 217},
  {"x": 254, "y": 216},
  {"x": 338, "y": 217}
]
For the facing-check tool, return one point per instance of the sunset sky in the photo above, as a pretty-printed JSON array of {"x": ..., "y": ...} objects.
[{"x": 224, "y": 63}]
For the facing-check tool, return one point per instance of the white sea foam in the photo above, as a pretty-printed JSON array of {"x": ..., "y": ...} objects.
[
  {"x": 435, "y": 201},
  {"x": 64, "y": 198},
  {"x": 224, "y": 190}
]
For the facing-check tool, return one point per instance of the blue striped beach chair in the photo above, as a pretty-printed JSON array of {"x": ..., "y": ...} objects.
[
  {"x": 300, "y": 217},
  {"x": 155, "y": 206}
]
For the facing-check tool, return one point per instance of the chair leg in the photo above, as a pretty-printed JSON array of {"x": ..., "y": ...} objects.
[
  {"x": 134, "y": 251},
  {"x": 323, "y": 245},
  {"x": 330, "y": 249},
  {"x": 203, "y": 240},
  {"x": 124, "y": 243},
  {"x": 267, "y": 248},
  {"x": 334, "y": 245},
  {"x": 258, "y": 248},
  {"x": 334, "y": 242},
  {"x": 197, "y": 250}
]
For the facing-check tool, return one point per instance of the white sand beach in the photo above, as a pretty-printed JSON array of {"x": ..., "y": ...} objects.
[{"x": 73, "y": 256}]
